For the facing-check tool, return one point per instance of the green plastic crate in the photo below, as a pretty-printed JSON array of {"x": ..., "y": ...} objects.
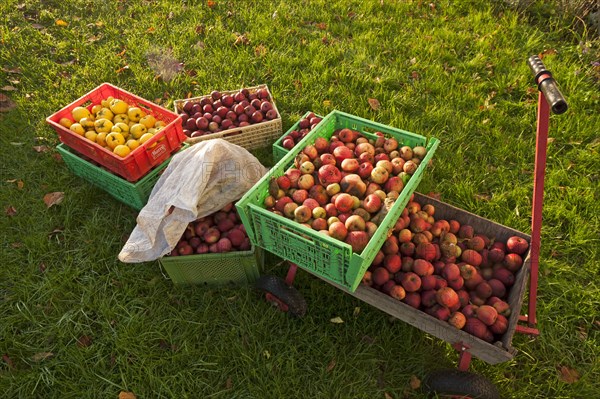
[
  {"x": 235, "y": 268},
  {"x": 324, "y": 256},
  {"x": 278, "y": 150},
  {"x": 134, "y": 194}
]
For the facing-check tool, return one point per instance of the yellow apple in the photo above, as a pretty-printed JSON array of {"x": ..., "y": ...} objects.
[
  {"x": 114, "y": 139},
  {"x": 145, "y": 137},
  {"x": 77, "y": 128},
  {"x": 91, "y": 135},
  {"x": 66, "y": 122},
  {"x": 80, "y": 112},
  {"x": 101, "y": 139},
  {"x": 105, "y": 113},
  {"x": 87, "y": 123},
  {"x": 118, "y": 106},
  {"x": 121, "y": 118},
  {"x": 96, "y": 108},
  {"x": 103, "y": 125},
  {"x": 152, "y": 130},
  {"x": 137, "y": 130},
  {"x": 106, "y": 102},
  {"x": 122, "y": 150},
  {"x": 135, "y": 114},
  {"x": 132, "y": 144},
  {"x": 160, "y": 124},
  {"x": 148, "y": 121}
]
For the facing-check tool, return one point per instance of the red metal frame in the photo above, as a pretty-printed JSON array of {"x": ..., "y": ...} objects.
[{"x": 543, "y": 118}]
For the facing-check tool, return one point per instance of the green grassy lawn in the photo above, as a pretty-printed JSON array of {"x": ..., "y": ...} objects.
[{"x": 75, "y": 322}]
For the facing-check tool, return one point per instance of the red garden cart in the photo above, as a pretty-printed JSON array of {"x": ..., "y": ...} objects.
[{"x": 458, "y": 382}]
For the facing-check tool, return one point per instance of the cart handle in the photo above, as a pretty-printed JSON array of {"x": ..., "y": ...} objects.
[{"x": 547, "y": 85}]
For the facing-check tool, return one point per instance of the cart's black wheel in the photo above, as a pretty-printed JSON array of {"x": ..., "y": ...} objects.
[
  {"x": 284, "y": 293},
  {"x": 462, "y": 384}
]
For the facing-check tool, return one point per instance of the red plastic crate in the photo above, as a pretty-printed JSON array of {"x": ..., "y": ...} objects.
[{"x": 139, "y": 162}]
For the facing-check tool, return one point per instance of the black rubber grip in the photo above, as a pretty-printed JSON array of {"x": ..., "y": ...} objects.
[{"x": 547, "y": 85}]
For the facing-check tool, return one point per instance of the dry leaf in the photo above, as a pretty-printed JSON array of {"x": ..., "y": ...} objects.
[
  {"x": 415, "y": 383},
  {"x": 41, "y": 356},
  {"x": 211, "y": 3},
  {"x": 127, "y": 395},
  {"x": 322, "y": 25},
  {"x": 331, "y": 365},
  {"x": 8, "y": 361},
  {"x": 43, "y": 267},
  {"x": 54, "y": 198},
  {"x": 60, "y": 22},
  {"x": 38, "y": 26},
  {"x": 8, "y": 88},
  {"x": 12, "y": 70},
  {"x": 326, "y": 103},
  {"x": 337, "y": 320},
  {"x": 122, "y": 69},
  {"x": 413, "y": 61},
  {"x": 325, "y": 40},
  {"x": 11, "y": 211},
  {"x": 241, "y": 39},
  {"x": 84, "y": 341},
  {"x": 387, "y": 395},
  {"x": 150, "y": 29},
  {"x": 415, "y": 75},
  {"x": 356, "y": 311},
  {"x": 374, "y": 104},
  {"x": 16, "y": 245},
  {"x": 41, "y": 148},
  {"x": 228, "y": 383},
  {"x": 199, "y": 29},
  {"x": 20, "y": 184},
  {"x": 260, "y": 50},
  {"x": 6, "y": 104},
  {"x": 568, "y": 375},
  {"x": 483, "y": 197},
  {"x": 122, "y": 53},
  {"x": 547, "y": 52}
]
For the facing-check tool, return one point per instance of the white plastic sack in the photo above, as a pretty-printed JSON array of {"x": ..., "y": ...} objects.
[{"x": 197, "y": 182}]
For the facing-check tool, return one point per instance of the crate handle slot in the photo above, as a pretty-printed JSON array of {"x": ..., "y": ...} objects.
[{"x": 295, "y": 235}]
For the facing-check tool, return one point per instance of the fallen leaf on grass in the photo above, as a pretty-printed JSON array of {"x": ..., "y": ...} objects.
[
  {"x": 483, "y": 197},
  {"x": 415, "y": 383},
  {"x": 8, "y": 88},
  {"x": 228, "y": 383},
  {"x": 387, "y": 395},
  {"x": 331, "y": 365},
  {"x": 151, "y": 29},
  {"x": 11, "y": 210},
  {"x": 326, "y": 103},
  {"x": 241, "y": 39},
  {"x": 38, "y": 26},
  {"x": 43, "y": 267},
  {"x": 321, "y": 25},
  {"x": 211, "y": 3},
  {"x": 374, "y": 104},
  {"x": 260, "y": 50},
  {"x": 12, "y": 70},
  {"x": 54, "y": 198},
  {"x": 8, "y": 361},
  {"x": 122, "y": 69},
  {"x": 84, "y": 341},
  {"x": 41, "y": 148},
  {"x": 60, "y": 22},
  {"x": 356, "y": 311},
  {"x": 568, "y": 375},
  {"x": 38, "y": 357},
  {"x": 337, "y": 320},
  {"x": 6, "y": 104},
  {"x": 547, "y": 52},
  {"x": 127, "y": 395},
  {"x": 415, "y": 75}
]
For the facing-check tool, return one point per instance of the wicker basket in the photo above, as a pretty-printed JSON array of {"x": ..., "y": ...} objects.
[{"x": 250, "y": 137}]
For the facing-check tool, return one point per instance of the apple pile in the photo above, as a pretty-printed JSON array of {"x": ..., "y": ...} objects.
[
  {"x": 447, "y": 270},
  {"x": 343, "y": 187},
  {"x": 220, "y": 232},
  {"x": 217, "y": 112},
  {"x": 113, "y": 124},
  {"x": 305, "y": 125}
]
